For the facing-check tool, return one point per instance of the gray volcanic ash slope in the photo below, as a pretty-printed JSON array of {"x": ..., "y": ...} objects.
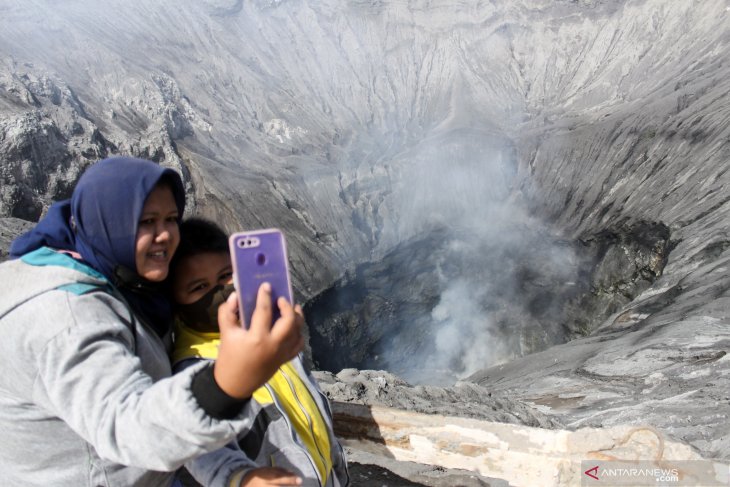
[{"x": 548, "y": 170}]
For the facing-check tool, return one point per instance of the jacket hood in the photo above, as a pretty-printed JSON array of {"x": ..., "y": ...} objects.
[{"x": 41, "y": 271}]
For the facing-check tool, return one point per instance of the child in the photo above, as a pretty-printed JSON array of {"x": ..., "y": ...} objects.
[{"x": 291, "y": 420}]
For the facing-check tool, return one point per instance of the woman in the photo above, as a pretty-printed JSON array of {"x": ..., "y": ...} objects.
[{"x": 86, "y": 396}]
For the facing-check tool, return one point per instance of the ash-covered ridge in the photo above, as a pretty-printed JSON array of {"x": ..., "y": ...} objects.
[{"x": 360, "y": 126}]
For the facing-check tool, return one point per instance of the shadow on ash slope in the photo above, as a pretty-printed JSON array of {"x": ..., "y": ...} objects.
[{"x": 540, "y": 187}]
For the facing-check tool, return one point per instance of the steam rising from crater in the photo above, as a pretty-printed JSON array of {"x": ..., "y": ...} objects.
[{"x": 474, "y": 280}]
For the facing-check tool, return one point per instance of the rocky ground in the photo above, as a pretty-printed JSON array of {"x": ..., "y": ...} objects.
[
  {"x": 463, "y": 399},
  {"x": 9, "y": 229},
  {"x": 414, "y": 474},
  {"x": 364, "y": 474}
]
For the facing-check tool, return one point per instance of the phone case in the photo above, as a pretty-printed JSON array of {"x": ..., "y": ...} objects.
[{"x": 259, "y": 256}]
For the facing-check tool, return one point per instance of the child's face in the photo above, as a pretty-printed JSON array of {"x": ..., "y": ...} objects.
[{"x": 198, "y": 274}]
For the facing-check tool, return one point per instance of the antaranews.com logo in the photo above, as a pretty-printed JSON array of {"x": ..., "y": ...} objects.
[{"x": 690, "y": 473}]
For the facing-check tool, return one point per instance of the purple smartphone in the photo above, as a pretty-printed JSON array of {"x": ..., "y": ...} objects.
[{"x": 259, "y": 256}]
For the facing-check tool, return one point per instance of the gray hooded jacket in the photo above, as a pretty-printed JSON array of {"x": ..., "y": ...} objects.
[{"x": 86, "y": 396}]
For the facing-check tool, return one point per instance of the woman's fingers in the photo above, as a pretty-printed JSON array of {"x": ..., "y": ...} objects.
[
  {"x": 282, "y": 477},
  {"x": 262, "y": 315},
  {"x": 286, "y": 325},
  {"x": 228, "y": 313},
  {"x": 266, "y": 476},
  {"x": 285, "y": 308},
  {"x": 288, "y": 329},
  {"x": 286, "y": 480}
]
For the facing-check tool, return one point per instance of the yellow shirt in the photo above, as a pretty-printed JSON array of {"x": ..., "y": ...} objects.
[{"x": 190, "y": 343}]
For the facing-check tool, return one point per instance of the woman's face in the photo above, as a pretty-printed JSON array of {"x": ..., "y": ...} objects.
[{"x": 157, "y": 234}]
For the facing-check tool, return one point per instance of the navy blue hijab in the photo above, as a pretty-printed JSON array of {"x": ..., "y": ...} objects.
[{"x": 100, "y": 223}]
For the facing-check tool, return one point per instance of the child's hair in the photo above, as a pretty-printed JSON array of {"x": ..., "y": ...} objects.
[{"x": 199, "y": 236}]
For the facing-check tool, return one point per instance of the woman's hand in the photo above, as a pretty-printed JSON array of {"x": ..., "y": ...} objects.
[
  {"x": 269, "y": 476},
  {"x": 247, "y": 358}
]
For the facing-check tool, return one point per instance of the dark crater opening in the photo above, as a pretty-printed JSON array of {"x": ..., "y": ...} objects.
[{"x": 447, "y": 303}]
